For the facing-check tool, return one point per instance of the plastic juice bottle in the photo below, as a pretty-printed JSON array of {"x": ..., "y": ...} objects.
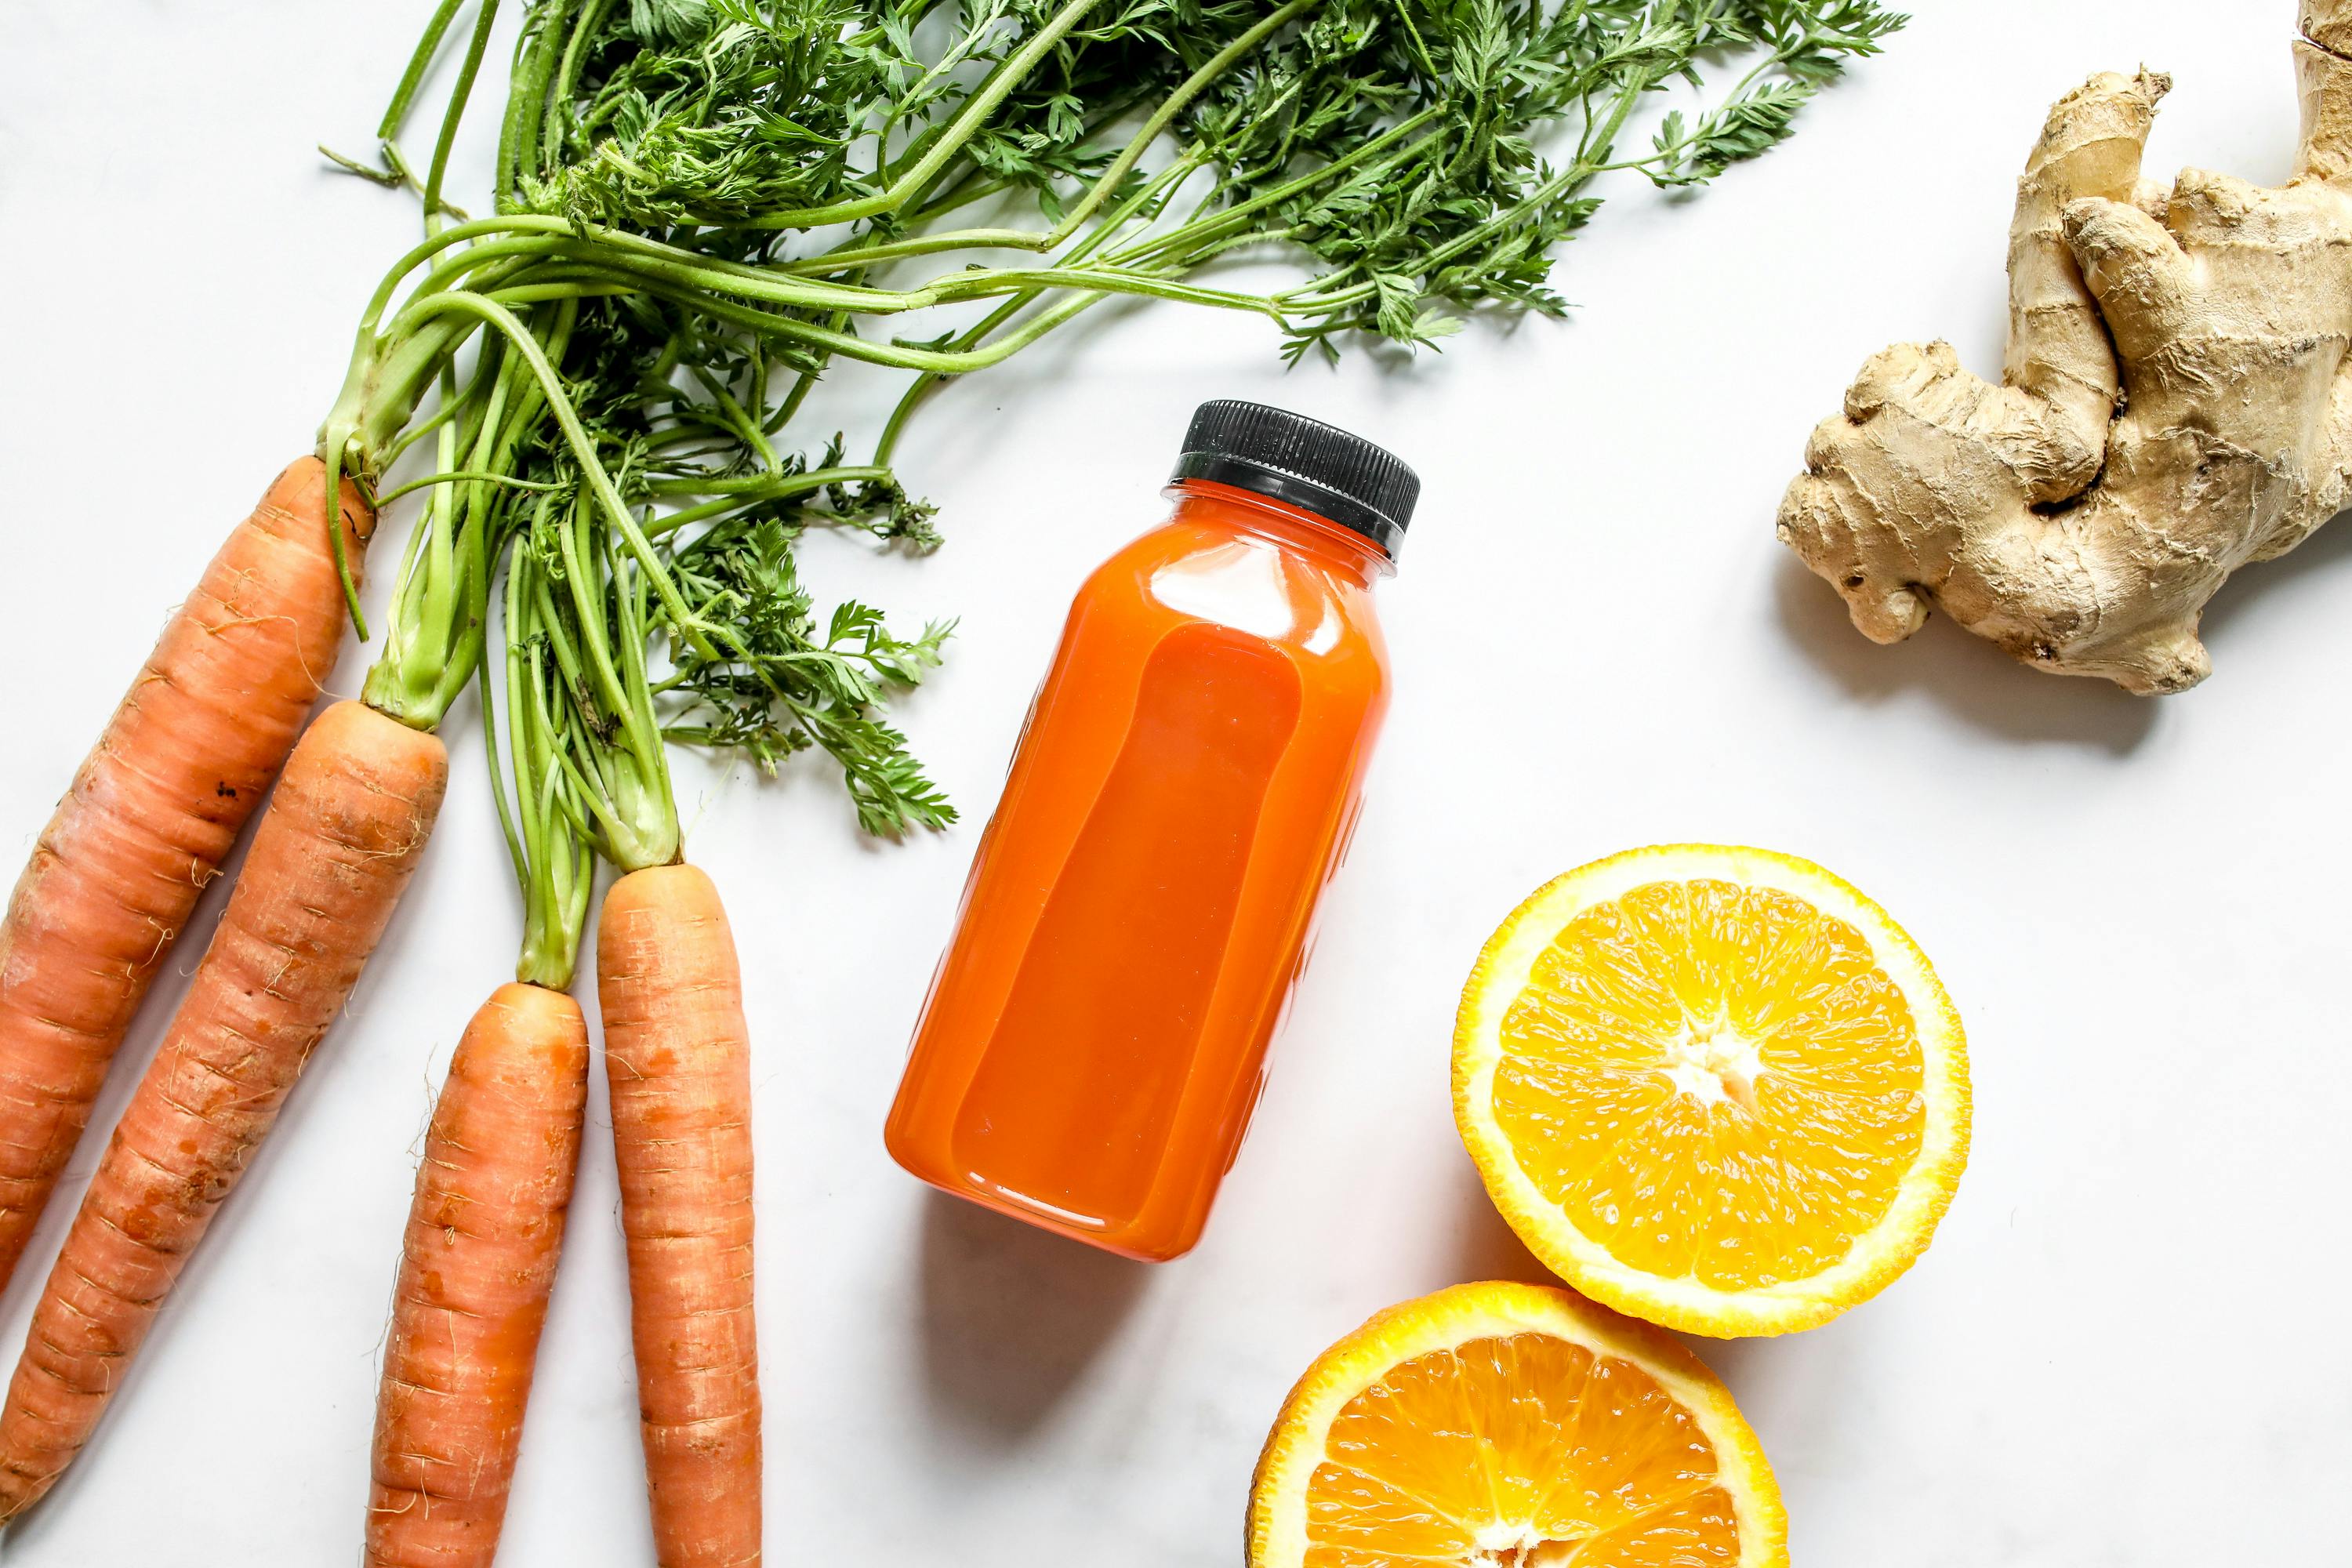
[{"x": 1094, "y": 1039}]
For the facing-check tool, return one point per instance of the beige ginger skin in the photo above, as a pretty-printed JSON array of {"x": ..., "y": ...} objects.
[{"x": 2176, "y": 401}]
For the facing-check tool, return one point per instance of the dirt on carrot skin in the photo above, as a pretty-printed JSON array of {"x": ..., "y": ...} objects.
[
  {"x": 150, "y": 814},
  {"x": 329, "y": 862},
  {"x": 678, "y": 1063}
]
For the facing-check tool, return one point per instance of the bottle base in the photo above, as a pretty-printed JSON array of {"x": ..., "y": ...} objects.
[{"x": 1081, "y": 1228}]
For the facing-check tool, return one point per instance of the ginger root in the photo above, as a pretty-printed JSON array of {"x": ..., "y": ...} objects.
[{"x": 2176, "y": 401}]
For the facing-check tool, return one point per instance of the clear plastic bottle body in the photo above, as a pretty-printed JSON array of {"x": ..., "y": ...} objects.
[{"x": 1140, "y": 905}]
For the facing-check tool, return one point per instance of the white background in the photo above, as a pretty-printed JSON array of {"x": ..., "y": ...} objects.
[{"x": 2125, "y": 1347}]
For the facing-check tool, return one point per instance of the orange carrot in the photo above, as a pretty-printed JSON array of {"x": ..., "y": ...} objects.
[
  {"x": 678, "y": 1060},
  {"x": 154, "y": 810},
  {"x": 328, "y": 864},
  {"x": 483, "y": 1236}
]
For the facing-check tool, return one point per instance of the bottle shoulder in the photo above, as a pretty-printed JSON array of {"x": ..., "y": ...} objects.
[{"x": 1300, "y": 600}]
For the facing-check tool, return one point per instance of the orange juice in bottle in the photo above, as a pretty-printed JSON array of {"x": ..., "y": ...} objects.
[{"x": 1096, "y": 1036}]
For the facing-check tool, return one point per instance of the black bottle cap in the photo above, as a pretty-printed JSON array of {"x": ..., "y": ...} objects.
[{"x": 1316, "y": 467}]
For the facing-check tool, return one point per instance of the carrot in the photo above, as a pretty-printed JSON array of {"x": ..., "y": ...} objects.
[
  {"x": 150, "y": 814},
  {"x": 328, "y": 864},
  {"x": 677, "y": 1058},
  {"x": 483, "y": 1236},
  {"x": 487, "y": 1224}
]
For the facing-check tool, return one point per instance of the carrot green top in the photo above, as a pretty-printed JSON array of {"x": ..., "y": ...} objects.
[{"x": 701, "y": 206}]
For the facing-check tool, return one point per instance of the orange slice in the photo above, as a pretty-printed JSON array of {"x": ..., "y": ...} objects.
[
  {"x": 1715, "y": 1088},
  {"x": 1509, "y": 1425}
]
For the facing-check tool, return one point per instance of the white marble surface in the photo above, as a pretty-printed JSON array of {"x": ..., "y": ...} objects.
[{"x": 2124, "y": 1347}]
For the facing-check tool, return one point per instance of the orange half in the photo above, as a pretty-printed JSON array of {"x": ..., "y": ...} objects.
[
  {"x": 1716, "y": 1088},
  {"x": 1505, "y": 1426}
]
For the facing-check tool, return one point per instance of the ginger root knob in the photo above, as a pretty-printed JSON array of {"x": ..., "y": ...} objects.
[{"x": 2176, "y": 401}]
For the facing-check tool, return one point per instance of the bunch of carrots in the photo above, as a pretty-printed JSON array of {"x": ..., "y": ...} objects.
[{"x": 698, "y": 205}]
